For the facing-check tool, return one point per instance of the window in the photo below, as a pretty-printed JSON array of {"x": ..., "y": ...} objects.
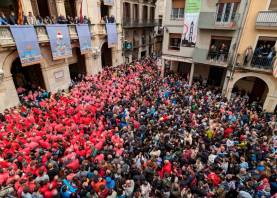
[
  {"x": 174, "y": 41},
  {"x": 219, "y": 49},
  {"x": 177, "y": 13},
  {"x": 178, "y": 9},
  {"x": 226, "y": 12}
]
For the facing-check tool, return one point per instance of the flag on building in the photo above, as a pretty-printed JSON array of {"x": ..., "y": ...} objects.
[
  {"x": 81, "y": 13},
  {"x": 191, "y": 17},
  {"x": 20, "y": 13}
]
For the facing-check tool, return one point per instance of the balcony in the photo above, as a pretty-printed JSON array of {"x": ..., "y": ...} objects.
[
  {"x": 6, "y": 38},
  {"x": 136, "y": 23},
  {"x": 208, "y": 20},
  {"x": 267, "y": 20},
  {"x": 205, "y": 56},
  {"x": 257, "y": 63}
]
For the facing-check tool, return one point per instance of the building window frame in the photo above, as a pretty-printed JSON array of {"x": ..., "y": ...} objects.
[
  {"x": 174, "y": 41},
  {"x": 177, "y": 13},
  {"x": 226, "y": 12}
]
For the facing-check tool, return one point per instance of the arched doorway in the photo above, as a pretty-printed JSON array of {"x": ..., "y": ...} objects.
[
  {"x": 106, "y": 55},
  {"x": 29, "y": 77},
  {"x": 255, "y": 88},
  {"x": 77, "y": 68}
]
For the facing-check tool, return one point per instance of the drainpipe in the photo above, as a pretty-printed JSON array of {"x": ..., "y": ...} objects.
[{"x": 233, "y": 61}]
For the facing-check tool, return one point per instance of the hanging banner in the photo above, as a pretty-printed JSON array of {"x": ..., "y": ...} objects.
[
  {"x": 84, "y": 38},
  {"x": 59, "y": 41},
  {"x": 27, "y": 44},
  {"x": 108, "y": 2},
  {"x": 112, "y": 34},
  {"x": 191, "y": 17}
]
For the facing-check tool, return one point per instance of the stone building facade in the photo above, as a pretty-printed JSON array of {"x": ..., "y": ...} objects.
[
  {"x": 56, "y": 75},
  {"x": 138, "y": 23}
]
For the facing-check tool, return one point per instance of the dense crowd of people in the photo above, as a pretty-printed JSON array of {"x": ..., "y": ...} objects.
[
  {"x": 127, "y": 132},
  {"x": 30, "y": 19}
]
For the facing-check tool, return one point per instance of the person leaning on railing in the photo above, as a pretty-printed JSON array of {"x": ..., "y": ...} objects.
[{"x": 3, "y": 19}]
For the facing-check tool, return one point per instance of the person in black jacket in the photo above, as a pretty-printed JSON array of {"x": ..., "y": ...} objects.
[{"x": 12, "y": 19}]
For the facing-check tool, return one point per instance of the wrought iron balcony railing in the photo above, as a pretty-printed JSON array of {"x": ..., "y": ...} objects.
[
  {"x": 132, "y": 23},
  {"x": 206, "y": 56}
]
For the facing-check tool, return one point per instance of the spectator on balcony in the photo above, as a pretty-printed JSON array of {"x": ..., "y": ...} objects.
[
  {"x": 12, "y": 19},
  {"x": 111, "y": 19},
  {"x": 222, "y": 52},
  {"x": 40, "y": 20},
  {"x": 70, "y": 20},
  {"x": 106, "y": 19},
  {"x": 86, "y": 20},
  {"x": 248, "y": 54},
  {"x": 25, "y": 21},
  {"x": 271, "y": 56},
  {"x": 257, "y": 55},
  {"x": 3, "y": 19},
  {"x": 76, "y": 20},
  {"x": 47, "y": 20},
  {"x": 61, "y": 20},
  {"x": 54, "y": 20},
  {"x": 31, "y": 19},
  {"x": 213, "y": 52}
]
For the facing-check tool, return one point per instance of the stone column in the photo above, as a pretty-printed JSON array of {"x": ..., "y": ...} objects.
[
  {"x": 226, "y": 80},
  {"x": 60, "y": 7},
  {"x": 89, "y": 64},
  {"x": 148, "y": 12},
  {"x": 132, "y": 11},
  {"x": 94, "y": 11},
  {"x": 27, "y": 6},
  {"x": 140, "y": 11},
  {"x": 57, "y": 77},
  {"x": 270, "y": 103},
  {"x": 163, "y": 68},
  {"x": 191, "y": 73},
  {"x": 52, "y": 8},
  {"x": 8, "y": 94}
]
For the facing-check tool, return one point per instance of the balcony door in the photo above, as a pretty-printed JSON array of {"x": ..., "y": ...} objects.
[
  {"x": 7, "y": 6},
  {"x": 70, "y": 8},
  {"x": 226, "y": 12}
]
